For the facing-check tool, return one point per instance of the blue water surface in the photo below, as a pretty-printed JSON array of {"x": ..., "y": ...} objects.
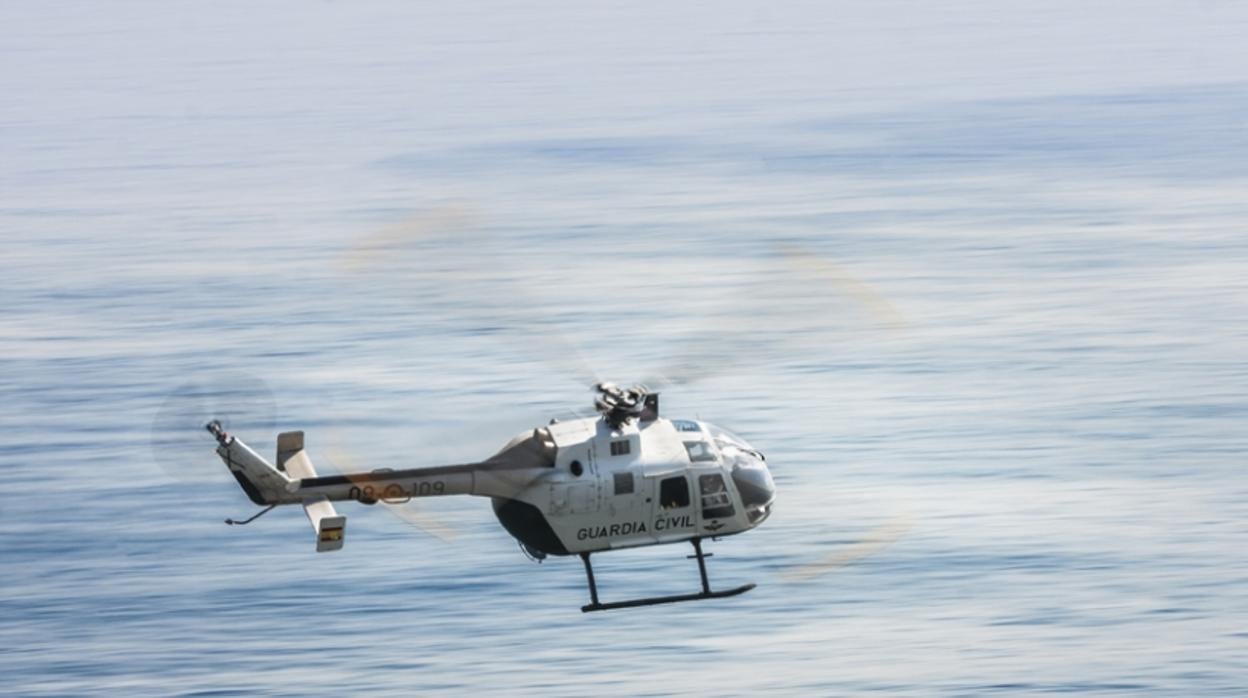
[{"x": 973, "y": 276}]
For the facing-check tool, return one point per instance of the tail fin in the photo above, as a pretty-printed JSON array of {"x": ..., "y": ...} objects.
[
  {"x": 263, "y": 483},
  {"x": 268, "y": 485}
]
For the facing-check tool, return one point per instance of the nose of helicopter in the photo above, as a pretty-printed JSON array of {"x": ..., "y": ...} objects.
[
  {"x": 748, "y": 468},
  {"x": 757, "y": 489}
]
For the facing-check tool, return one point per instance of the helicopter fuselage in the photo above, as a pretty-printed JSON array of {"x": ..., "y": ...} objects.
[
  {"x": 661, "y": 481},
  {"x": 623, "y": 480},
  {"x": 583, "y": 485}
]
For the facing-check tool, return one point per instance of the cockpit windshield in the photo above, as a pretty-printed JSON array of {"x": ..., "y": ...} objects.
[
  {"x": 725, "y": 438},
  {"x": 749, "y": 471}
]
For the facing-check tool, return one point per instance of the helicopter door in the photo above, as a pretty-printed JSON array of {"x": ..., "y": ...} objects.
[
  {"x": 673, "y": 509},
  {"x": 715, "y": 501}
]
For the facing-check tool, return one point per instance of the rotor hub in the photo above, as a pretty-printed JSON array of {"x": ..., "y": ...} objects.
[{"x": 619, "y": 405}]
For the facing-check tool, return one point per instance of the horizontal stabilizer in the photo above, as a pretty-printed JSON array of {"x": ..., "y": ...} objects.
[{"x": 328, "y": 526}]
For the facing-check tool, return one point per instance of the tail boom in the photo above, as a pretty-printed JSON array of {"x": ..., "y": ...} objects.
[{"x": 294, "y": 481}]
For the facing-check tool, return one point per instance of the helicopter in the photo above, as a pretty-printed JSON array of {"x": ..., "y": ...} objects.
[{"x": 625, "y": 478}]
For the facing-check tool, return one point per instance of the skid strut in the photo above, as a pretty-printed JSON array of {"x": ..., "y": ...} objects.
[{"x": 706, "y": 593}]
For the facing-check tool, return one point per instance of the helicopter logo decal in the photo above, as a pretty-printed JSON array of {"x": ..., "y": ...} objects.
[{"x": 629, "y": 528}]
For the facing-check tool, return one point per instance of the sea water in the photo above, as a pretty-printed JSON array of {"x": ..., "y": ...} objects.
[{"x": 973, "y": 275}]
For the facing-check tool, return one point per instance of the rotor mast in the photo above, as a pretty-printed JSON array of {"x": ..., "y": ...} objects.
[{"x": 620, "y": 405}]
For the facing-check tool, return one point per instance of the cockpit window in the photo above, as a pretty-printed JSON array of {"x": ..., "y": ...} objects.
[
  {"x": 723, "y": 437},
  {"x": 716, "y": 504},
  {"x": 699, "y": 451},
  {"x": 686, "y": 425},
  {"x": 721, "y": 434}
]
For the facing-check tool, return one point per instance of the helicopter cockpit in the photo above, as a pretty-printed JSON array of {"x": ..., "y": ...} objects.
[
  {"x": 746, "y": 464},
  {"x": 749, "y": 472}
]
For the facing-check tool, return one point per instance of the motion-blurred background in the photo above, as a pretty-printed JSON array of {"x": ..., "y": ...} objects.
[{"x": 972, "y": 274}]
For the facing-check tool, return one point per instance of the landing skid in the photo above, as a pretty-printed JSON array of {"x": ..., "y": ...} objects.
[{"x": 706, "y": 593}]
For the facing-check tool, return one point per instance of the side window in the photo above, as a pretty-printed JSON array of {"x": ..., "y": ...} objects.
[
  {"x": 674, "y": 493},
  {"x": 623, "y": 483},
  {"x": 716, "y": 504},
  {"x": 619, "y": 448}
]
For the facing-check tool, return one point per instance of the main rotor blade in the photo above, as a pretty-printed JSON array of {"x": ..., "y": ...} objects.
[
  {"x": 406, "y": 235},
  {"x": 839, "y": 278},
  {"x": 396, "y": 257},
  {"x": 875, "y": 541},
  {"x": 758, "y": 318},
  {"x": 787, "y": 299},
  {"x": 407, "y": 511}
]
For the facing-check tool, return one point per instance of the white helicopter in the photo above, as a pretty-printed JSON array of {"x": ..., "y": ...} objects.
[{"x": 626, "y": 478}]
